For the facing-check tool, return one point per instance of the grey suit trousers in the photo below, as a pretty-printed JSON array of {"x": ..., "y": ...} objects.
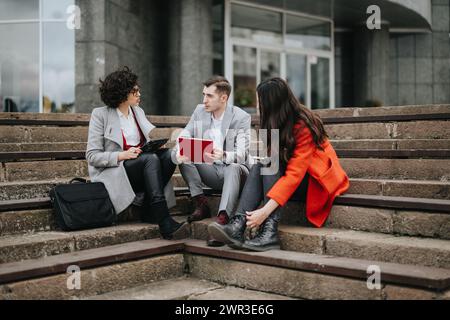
[{"x": 228, "y": 178}]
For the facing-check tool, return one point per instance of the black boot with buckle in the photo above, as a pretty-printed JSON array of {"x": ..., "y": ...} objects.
[{"x": 267, "y": 236}]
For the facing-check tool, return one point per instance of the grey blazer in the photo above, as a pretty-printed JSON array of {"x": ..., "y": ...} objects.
[
  {"x": 236, "y": 126},
  {"x": 105, "y": 142}
]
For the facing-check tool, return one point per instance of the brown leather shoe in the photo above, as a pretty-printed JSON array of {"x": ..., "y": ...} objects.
[
  {"x": 201, "y": 211},
  {"x": 222, "y": 218}
]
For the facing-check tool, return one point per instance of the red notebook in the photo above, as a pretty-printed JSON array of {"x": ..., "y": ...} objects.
[{"x": 195, "y": 149}]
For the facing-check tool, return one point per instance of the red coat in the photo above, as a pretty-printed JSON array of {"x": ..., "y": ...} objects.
[{"x": 327, "y": 179}]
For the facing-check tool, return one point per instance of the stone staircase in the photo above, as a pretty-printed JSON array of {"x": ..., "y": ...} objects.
[{"x": 395, "y": 216}]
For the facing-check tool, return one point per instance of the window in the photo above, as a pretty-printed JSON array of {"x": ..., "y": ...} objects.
[
  {"x": 276, "y": 42},
  {"x": 37, "y": 56}
]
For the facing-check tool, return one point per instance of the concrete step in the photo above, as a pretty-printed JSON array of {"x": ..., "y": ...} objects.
[
  {"x": 393, "y": 144},
  {"x": 436, "y": 129},
  {"x": 397, "y": 188},
  {"x": 391, "y": 215},
  {"x": 399, "y": 222},
  {"x": 384, "y": 111},
  {"x": 268, "y": 271},
  {"x": 430, "y": 189},
  {"x": 40, "y": 146},
  {"x": 7, "y": 118},
  {"x": 187, "y": 288},
  {"x": 138, "y": 264},
  {"x": 41, "y": 134},
  {"x": 398, "y": 169},
  {"x": 103, "y": 270},
  {"x": 401, "y": 188},
  {"x": 358, "y": 245},
  {"x": 6, "y": 157},
  {"x": 400, "y": 130},
  {"x": 28, "y": 189},
  {"x": 82, "y": 119},
  {"x": 37, "y": 245},
  {"x": 362, "y": 144}
]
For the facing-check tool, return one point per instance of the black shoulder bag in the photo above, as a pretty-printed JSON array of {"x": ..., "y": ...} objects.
[{"x": 82, "y": 205}]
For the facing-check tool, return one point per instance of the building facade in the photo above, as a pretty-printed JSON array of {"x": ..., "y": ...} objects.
[{"x": 53, "y": 52}]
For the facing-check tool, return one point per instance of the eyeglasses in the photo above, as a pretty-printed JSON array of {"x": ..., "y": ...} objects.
[{"x": 135, "y": 91}]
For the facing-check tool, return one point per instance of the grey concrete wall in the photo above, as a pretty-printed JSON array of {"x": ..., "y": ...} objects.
[
  {"x": 167, "y": 43},
  {"x": 420, "y": 64},
  {"x": 115, "y": 33},
  {"x": 89, "y": 54},
  {"x": 190, "y": 53}
]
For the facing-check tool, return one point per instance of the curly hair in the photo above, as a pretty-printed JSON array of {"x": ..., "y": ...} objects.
[{"x": 116, "y": 87}]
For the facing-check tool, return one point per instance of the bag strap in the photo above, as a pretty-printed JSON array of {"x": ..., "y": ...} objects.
[{"x": 78, "y": 180}]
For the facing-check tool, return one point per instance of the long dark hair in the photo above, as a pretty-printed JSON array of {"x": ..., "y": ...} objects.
[{"x": 280, "y": 109}]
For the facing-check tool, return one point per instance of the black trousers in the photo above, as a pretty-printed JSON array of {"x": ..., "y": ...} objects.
[
  {"x": 257, "y": 186},
  {"x": 149, "y": 173}
]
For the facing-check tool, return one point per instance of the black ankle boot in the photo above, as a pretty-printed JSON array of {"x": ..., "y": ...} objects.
[
  {"x": 168, "y": 227},
  {"x": 231, "y": 233},
  {"x": 172, "y": 230},
  {"x": 267, "y": 236}
]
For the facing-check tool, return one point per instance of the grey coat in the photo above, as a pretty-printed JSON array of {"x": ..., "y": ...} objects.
[
  {"x": 236, "y": 125},
  {"x": 105, "y": 142}
]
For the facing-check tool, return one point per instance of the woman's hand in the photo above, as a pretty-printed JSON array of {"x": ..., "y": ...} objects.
[
  {"x": 131, "y": 153},
  {"x": 257, "y": 217}
]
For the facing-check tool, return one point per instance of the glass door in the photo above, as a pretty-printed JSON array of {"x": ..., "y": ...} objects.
[
  {"x": 319, "y": 69},
  {"x": 296, "y": 76}
]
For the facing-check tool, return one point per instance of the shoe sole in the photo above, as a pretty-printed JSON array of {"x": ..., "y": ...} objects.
[
  {"x": 261, "y": 249},
  {"x": 218, "y": 234}
]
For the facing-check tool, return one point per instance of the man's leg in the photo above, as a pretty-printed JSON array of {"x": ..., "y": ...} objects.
[
  {"x": 235, "y": 176},
  {"x": 192, "y": 177},
  {"x": 195, "y": 176}
]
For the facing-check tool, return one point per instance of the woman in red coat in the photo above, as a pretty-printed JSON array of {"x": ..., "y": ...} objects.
[{"x": 309, "y": 171}]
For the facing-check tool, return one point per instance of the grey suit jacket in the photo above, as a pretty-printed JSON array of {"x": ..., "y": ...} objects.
[
  {"x": 105, "y": 142},
  {"x": 236, "y": 126}
]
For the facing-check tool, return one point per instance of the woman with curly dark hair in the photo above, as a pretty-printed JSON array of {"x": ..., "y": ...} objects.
[
  {"x": 309, "y": 170},
  {"x": 116, "y": 134}
]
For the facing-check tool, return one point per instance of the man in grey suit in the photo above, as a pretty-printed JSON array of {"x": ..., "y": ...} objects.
[{"x": 229, "y": 128}]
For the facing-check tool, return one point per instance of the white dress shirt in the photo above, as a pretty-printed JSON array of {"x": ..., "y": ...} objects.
[
  {"x": 215, "y": 131},
  {"x": 129, "y": 128}
]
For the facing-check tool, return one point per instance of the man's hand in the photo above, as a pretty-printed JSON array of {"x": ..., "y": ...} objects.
[
  {"x": 217, "y": 154},
  {"x": 131, "y": 153}
]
